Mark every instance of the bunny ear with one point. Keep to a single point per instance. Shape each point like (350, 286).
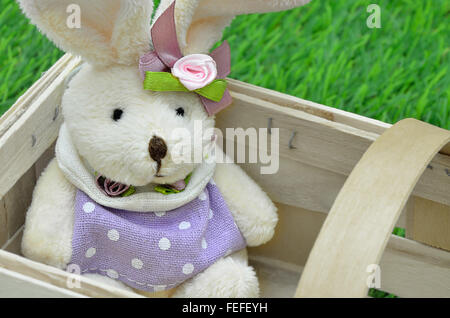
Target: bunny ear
(109, 31)
(200, 22)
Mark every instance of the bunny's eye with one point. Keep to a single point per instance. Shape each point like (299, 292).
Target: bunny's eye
(117, 114)
(180, 111)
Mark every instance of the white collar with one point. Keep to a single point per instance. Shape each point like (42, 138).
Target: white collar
(79, 175)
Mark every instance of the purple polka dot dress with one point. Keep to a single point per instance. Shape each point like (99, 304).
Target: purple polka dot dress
(154, 251)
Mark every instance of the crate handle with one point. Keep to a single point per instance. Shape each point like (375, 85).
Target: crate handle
(356, 231)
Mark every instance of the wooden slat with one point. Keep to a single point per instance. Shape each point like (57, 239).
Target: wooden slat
(276, 279)
(24, 101)
(434, 183)
(359, 224)
(431, 223)
(3, 223)
(14, 244)
(315, 190)
(57, 277)
(33, 132)
(295, 234)
(309, 187)
(15, 285)
(408, 268)
(44, 160)
(321, 143)
(17, 201)
(411, 269)
(326, 112)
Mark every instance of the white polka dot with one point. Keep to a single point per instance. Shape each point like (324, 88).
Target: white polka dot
(184, 225)
(211, 214)
(188, 268)
(158, 288)
(90, 252)
(202, 196)
(112, 273)
(136, 263)
(88, 207)
(164, 243)
(160, 213)
(212, 182)
(113, 235)
(204, 244)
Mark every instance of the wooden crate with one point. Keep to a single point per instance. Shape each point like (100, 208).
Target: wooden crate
(335, 173)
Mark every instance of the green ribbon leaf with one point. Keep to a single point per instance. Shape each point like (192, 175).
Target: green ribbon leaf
(131, 190)
(166, 82)
(167, 189)
(213, 91)
(163, 82)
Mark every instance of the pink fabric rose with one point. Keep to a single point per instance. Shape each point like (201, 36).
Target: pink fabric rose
(195, 70)
(109, 187)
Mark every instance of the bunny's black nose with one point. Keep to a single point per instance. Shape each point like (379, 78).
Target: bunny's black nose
(157, 148)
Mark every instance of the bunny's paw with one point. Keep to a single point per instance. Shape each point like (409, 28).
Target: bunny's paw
(227, 278)
(253, 211)
(47, 236)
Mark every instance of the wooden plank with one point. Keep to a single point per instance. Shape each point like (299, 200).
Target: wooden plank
(402, 220)
(14, 244)
(17, 201)
(276, 279)
(315, 190)
(319, 142)
(24, 101)
(411, 269)
(3, 223)
(32, 133)
(365, 211)
(44, 160)
(435, 182)
(15, 285)
(58, 277)
(326, 112)
(408, 268)
(431, 223)
(296, 232)
(324, 144)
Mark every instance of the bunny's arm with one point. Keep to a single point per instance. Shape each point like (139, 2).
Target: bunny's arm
(48, 229)
(253, 211)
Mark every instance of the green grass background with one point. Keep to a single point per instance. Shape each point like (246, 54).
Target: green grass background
(322, 52)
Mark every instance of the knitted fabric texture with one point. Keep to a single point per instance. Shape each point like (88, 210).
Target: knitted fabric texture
(154, 251)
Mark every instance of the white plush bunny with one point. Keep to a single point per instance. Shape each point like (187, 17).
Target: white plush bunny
(116, 129)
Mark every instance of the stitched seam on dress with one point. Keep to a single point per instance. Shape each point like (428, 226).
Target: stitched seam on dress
(131, 280)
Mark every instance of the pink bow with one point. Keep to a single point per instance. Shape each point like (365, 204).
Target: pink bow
(167, 52)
